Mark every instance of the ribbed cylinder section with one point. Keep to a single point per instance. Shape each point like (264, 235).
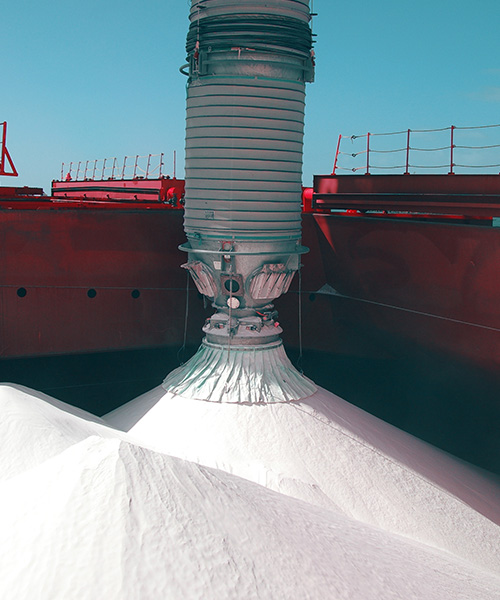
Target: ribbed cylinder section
(244, 158)
(249, 61)
(297, 9)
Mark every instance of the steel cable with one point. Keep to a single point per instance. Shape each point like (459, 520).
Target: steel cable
(477, 147)
(478, 127)
(429, 149)
(476, 166)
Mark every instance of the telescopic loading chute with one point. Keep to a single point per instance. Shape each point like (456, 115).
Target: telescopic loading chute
(248, 62)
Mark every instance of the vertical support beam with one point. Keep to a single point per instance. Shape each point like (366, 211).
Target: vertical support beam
(452, 146)
(367, 153)
(407, 172)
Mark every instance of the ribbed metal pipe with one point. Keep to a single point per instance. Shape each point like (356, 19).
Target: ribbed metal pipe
(249, 61)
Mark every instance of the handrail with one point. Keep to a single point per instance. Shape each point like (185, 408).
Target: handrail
(409, 149)
(148, 166)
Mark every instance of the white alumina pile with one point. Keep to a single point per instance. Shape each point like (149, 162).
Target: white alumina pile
(359, 510)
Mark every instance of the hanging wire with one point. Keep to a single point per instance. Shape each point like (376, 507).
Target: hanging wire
(476, 166)
(477, 147)
(433, 130)
(429, 166)
(385, 167)
(182, 349)
(391, 133)
(299, 359)
(388, 151)
(229, 325)
(353, 154)
(478, 127)
(230, 328)
(431, 149)
(353, 169)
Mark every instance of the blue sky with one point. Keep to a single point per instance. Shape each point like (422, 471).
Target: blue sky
(95, 79)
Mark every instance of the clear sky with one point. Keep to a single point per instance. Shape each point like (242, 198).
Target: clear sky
(100, 78)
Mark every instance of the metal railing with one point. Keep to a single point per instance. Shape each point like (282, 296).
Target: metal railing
(439, 146)
(148, 166)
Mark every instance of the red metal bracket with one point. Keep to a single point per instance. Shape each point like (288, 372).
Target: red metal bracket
(5, 157)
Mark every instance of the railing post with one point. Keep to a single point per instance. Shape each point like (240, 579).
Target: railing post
(135, 165)
(103, 168)
(147, 166)
(452, 128)
(367, 153)
(336, 155)
(124, 166)
(407, 172)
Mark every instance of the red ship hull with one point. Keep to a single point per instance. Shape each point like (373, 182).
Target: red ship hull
(434, 283)
(85, 279)
(395, 312)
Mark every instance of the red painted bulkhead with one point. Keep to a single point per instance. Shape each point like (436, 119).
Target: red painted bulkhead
(431, 283)
(83, 280)
(85, 276)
